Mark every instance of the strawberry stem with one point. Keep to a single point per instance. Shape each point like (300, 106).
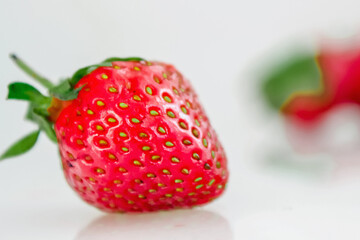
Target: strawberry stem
(23, 66)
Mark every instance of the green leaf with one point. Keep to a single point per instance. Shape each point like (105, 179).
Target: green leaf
(41, 106)
(40, 117)
(45, 125)
(298, 74)
(65, 91)
(41, 111)
(22, 91)
(64, 86)
(29, 113)
(21, 146)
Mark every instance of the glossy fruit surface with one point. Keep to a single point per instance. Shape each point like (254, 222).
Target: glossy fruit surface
(137, 139)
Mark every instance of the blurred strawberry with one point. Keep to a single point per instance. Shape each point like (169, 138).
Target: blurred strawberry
(308, 86)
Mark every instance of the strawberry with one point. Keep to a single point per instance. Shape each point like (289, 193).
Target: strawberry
(131, 133)
(307, 87)
(340, 71)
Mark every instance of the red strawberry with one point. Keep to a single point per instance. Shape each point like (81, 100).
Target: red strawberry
(307, 87)
(340, 72)
(132, 136)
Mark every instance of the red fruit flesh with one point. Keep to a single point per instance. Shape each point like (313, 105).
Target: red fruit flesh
(137, 139)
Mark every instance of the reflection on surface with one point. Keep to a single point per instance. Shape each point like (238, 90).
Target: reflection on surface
(179, 224)
(326, 222)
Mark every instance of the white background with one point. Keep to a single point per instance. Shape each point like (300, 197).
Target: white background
(218, 45)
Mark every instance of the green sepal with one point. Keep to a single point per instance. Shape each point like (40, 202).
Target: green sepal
(45, 125)
(298, 74)
(29, 113)
(21, 146)
(22, 91)
(106, 63)
(38, 104)
(40, 117)
(129, 59)
(64, 91)
(79, 74)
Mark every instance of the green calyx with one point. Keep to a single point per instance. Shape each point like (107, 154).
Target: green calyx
(39, 104)
(66, 89)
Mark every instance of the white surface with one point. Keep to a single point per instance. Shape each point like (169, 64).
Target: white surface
(215, 44)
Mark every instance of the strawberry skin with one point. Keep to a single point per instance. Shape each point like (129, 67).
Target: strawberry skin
(137, 139)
